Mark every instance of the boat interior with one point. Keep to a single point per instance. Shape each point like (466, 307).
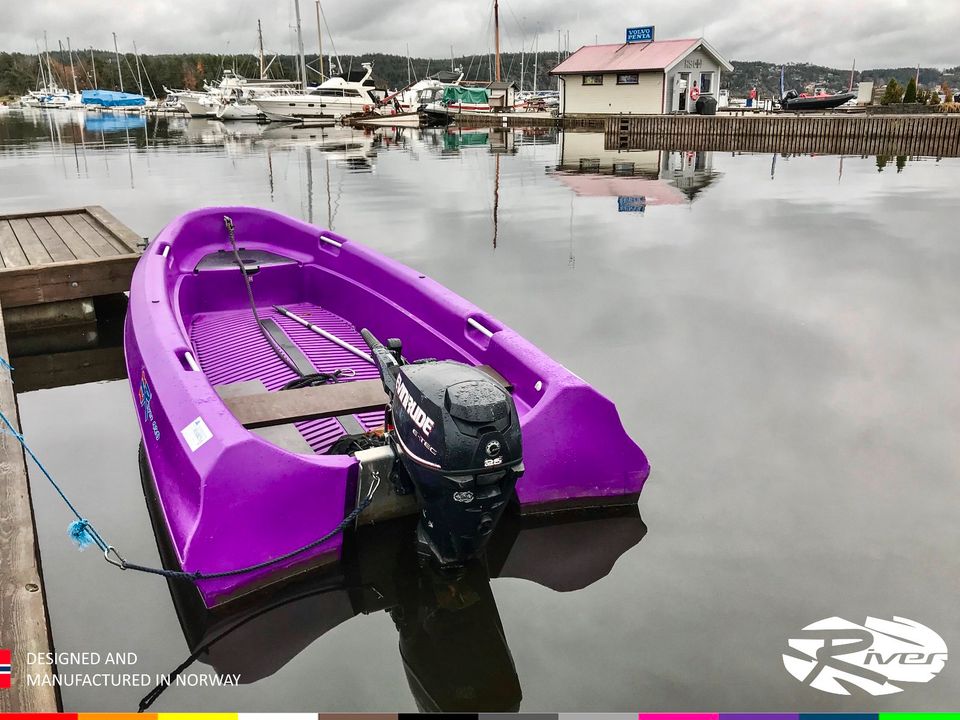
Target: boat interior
(230, 345)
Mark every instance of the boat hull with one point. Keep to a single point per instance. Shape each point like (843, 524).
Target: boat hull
(235, 112)
(198, 109)
(293, 108)
(401, 120)
(231, 498)
(818, 102)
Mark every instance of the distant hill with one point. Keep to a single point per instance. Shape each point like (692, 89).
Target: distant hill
(20, 72)
(766, 76)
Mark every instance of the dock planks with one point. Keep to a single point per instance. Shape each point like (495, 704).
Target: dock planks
(934, 134)
(64, 255)
(45, 257)
(24, 623)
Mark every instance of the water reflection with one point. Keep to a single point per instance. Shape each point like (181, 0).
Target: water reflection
(89, 349)
(637, 178)
(452, 644)
(113, 123)
(773, 322)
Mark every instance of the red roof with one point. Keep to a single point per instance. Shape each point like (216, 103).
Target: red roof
(621, 57)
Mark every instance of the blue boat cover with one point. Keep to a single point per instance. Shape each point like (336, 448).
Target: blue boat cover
(111, 98)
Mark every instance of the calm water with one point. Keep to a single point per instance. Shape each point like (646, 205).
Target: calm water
(780, 335)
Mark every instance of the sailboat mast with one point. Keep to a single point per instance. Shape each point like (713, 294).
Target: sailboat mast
(303, 62)
(496, 38)
(320, 44)
(558, 56)
(521, 66)
(260, 38)
(93, 64)
(853, 69)
(43, 78)
(116, 52)
(46, 49)
(73, 73)
(136, 56)
(536, 52)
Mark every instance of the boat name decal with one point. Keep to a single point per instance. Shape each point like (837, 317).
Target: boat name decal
(145, 396)
(416, 413)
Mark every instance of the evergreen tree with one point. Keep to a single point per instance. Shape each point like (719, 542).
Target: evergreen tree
(892, 94)
(910, 96)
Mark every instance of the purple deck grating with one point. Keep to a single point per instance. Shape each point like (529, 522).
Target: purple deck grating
(230, 349)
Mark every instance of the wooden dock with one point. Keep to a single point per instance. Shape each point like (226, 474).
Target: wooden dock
(64, 255)
(935, 135)
(24, 623)
(47, 261)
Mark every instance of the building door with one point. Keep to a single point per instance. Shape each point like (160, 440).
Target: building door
(682, 87)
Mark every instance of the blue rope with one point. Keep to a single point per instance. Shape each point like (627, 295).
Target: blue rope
(82, 532)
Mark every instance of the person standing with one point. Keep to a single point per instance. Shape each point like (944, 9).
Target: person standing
(751, 96)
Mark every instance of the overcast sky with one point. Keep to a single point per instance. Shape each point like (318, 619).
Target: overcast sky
(878, 33)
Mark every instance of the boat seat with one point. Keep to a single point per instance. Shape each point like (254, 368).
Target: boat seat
(286, 436)
(309, 403)
(322, 401)
(253, 260)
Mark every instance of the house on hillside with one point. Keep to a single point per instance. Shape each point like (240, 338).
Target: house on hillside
(662, 76)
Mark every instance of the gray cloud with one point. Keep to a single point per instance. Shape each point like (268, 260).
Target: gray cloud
(879, 33)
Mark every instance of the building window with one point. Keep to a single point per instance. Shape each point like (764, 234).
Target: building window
(628, 79)
(593, 79)
(706, 83)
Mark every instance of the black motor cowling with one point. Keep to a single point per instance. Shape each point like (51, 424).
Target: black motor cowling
(458, 437)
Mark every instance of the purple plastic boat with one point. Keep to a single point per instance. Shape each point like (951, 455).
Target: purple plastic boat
(247, 472)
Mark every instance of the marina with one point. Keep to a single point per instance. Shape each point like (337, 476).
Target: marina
(514, 378)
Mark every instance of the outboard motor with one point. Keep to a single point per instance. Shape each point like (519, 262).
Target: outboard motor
(457, 434)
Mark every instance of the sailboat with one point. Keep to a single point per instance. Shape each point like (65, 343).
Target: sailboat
(50, 95)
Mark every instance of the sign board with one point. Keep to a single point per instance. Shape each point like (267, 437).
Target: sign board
(631, 204)
(640, 34)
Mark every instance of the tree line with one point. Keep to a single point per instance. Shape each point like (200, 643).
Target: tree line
(20, 72)
(894, 93)
(765, 76)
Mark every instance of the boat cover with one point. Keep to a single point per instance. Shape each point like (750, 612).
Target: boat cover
(457, 94)
(111, 98)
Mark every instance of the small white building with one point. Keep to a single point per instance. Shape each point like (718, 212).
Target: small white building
(502, 95)
(662, 76)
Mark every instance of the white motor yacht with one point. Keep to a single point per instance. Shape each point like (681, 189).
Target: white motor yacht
(330, 100)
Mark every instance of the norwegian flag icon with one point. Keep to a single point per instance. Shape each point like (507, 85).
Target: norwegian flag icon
(4, 669)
